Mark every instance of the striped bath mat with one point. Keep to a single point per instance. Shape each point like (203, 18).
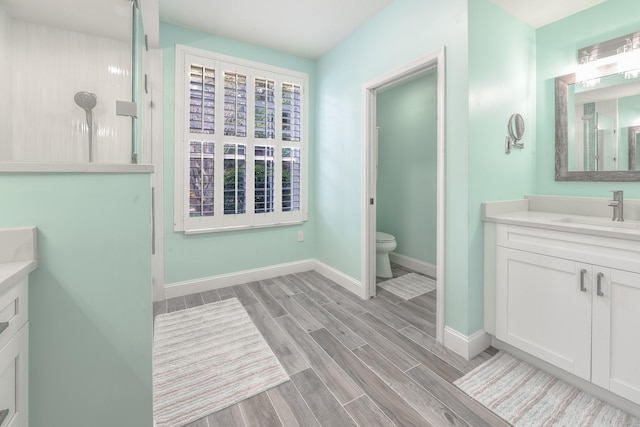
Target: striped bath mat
(526, 396)
(409, 285)
(207, 358)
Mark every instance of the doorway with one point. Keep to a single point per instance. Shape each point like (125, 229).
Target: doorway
(434, 61)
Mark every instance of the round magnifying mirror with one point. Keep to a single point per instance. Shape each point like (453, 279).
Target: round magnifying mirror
(516, 127)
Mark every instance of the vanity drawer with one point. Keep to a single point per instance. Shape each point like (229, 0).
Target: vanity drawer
(13, 311)
(600, 250)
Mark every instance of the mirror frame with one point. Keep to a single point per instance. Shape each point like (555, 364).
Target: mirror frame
(516, 127)
(632, 132)
(562, 141)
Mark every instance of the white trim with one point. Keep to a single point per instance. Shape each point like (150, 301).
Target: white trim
(242, 227)
(224, 64)
(188, 287)
(600, 393)
(441, 197)
(154, 60)
(369, 162)
(347, 282)
(466, 346)
(44, 167)
(369, 171)
(214, 282)
(414, 264)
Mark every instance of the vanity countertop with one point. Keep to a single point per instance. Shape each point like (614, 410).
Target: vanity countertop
(523, 213)
(17, 255)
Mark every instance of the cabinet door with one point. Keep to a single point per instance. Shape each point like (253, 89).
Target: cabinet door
(544, 308)
(616, 322)
(14, 364)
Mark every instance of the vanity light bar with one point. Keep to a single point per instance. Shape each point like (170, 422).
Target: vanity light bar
(609, 48)
(619, 55)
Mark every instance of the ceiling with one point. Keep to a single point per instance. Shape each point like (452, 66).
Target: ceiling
(538, 13)
(107, 18)
(307, 28)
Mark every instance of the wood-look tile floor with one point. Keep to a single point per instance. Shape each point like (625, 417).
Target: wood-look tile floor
(351, 362)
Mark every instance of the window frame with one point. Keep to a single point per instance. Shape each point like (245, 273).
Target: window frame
(183, 221)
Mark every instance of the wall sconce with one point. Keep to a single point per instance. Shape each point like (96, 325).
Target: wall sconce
(616, 56)
(515, 127)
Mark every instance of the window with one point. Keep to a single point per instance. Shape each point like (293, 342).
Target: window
(241, 143)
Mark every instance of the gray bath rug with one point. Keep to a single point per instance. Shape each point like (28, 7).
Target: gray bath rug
(207, 358)
(526, 396)
(409, 286)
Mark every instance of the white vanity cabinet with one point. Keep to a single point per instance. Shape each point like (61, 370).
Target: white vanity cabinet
(17, 260)
(14, 359)
(570, 299)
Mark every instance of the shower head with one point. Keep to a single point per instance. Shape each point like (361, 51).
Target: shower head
(86, 100)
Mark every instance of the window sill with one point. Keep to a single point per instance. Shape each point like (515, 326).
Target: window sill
(242, 227)
(42, 167)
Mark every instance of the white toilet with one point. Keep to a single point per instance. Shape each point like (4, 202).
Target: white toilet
(385, 243)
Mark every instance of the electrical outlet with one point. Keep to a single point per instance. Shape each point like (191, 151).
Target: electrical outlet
(300, 236)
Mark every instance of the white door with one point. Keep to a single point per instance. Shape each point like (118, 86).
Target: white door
(616, 332)
(544, 308)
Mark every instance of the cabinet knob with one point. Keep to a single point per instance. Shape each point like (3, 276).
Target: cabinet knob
(599, 285)
(582, 274)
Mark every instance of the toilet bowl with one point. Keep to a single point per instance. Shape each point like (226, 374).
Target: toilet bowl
(385, 243)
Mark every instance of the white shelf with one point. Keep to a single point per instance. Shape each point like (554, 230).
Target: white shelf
(35, 167)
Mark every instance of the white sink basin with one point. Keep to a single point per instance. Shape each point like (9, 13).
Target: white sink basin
(600, 222)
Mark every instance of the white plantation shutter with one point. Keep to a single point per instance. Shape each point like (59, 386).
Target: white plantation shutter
(241, 142)
(235, 178)
(291, 94)
(290, 179)
(200, 178)
(201, 99)
(265, 109)
(264, 174)
(235, 104)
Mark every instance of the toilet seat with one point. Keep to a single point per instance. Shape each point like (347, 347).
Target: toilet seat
(384, 237)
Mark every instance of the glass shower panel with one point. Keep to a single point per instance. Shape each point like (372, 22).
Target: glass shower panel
(138, 84)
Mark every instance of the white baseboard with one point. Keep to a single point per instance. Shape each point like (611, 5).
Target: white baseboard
(413, 264)
(600, 393)
(347, 282)
(188, 287)
(466, 346)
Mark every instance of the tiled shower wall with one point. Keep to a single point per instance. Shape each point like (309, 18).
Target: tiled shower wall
(48, 66)
(5, 85)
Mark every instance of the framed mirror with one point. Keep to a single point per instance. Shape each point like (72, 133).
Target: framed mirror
(597, 121)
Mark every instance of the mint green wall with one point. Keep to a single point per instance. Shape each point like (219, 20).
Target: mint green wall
(406, 183)
(90, 315)
(501, 83)
(403, 31)
(212, 254)
(557, 44)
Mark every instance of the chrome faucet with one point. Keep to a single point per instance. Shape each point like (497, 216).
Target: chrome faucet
(618, 205)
